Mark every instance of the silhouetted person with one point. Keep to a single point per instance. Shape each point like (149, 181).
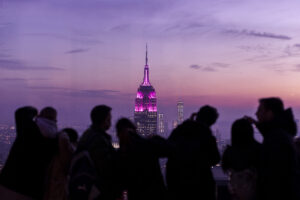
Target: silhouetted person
(57, 175)
(297, 146)
(98, 143)
(46, 122)
(277, 171)
(29, 158)
(241, 160)
(244, 151)
(189, 173)
(141, 172)
(73, 136)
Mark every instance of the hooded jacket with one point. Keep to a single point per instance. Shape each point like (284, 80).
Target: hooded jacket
(189, 167)
(141, 173)
(25, 169)
(278, 165)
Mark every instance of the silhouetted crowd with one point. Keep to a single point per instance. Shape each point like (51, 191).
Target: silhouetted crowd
(45, 163)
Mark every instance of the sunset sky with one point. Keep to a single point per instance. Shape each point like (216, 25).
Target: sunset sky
(74, 54)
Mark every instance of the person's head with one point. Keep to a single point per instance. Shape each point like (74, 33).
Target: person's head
(208, 115)
(49, 113)
(242, 132)
(24, 116)
(101, 117)
(26, 113)
(124, 125)
(72, 134)
(269, 108)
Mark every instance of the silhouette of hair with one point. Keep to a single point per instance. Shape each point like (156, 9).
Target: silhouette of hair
(242, 133)
(26, 113)
(24, 118)
(289, 123)
(274, 104)
(100, 113)
(72, 133)
(284, 117)
(124, 123)
(207, 114)
(48, 113)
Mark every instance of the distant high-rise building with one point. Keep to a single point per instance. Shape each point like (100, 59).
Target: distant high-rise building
(179, 112)
(166, 128)
(145, 111)
(161, 124)
(174, 124)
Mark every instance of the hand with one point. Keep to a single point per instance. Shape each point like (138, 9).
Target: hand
(250, 119)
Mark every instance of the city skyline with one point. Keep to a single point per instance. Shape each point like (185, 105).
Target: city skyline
(74, 55)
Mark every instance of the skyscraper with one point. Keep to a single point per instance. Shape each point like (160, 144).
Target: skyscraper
(180, 112)
(174, 124)
(161, 124)
(145, 111)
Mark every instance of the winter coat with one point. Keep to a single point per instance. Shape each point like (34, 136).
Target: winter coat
(241, 163)
(242, 157)
(98, 143)
(277, 170)
(188, 172)
(140, 168)
(57, 174)
(25, 169)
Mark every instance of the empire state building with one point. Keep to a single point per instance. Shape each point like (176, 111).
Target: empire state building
(145, 111)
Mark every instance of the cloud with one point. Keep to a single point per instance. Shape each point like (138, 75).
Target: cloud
(296, 68)
(258, 49)
(194, 25)
(77, 51)
(104, 93)
(173, 27)
(16, 65)
(187, 27)
(104, 8)
(3, 55)
(22, 79)
(220, 65)
(297, 45)
(283, 67)
(93, 93)
(47, 88)
(211, 67)
(12, 79)
(21, 1)
(290, 51)
(195, 66)
(121, 27)
(4, 24)
(271, 53)
(76, 39)
(258, 34)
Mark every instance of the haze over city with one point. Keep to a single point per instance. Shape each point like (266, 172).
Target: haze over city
(75, 54)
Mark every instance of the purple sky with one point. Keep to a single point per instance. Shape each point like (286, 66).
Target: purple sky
(74, 54)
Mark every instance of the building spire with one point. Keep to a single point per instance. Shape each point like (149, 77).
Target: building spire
(146, 54)
(146, 81)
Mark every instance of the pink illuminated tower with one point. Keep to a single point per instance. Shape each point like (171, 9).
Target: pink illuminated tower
(145, 111)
